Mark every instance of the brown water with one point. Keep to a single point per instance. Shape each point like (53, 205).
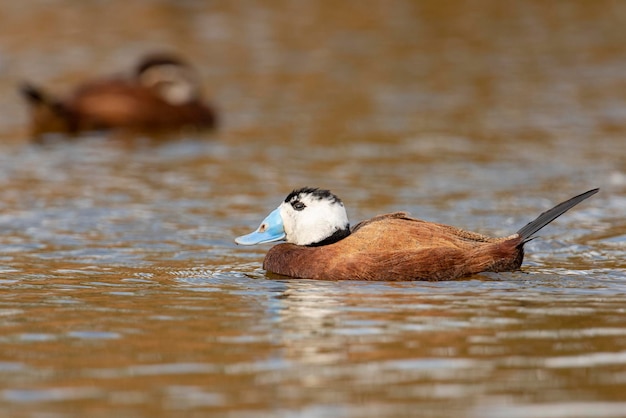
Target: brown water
(121, 290)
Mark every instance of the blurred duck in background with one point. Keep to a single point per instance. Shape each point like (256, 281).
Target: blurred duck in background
(162, 95)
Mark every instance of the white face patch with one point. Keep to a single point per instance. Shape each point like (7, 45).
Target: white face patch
(174, 83)
(309, 219)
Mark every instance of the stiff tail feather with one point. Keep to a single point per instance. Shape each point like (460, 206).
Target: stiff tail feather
(38, 99)
(548, 216)
(33, 94)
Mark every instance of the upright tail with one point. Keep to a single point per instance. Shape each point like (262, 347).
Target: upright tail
(38, 98)
(47, 113)
(33, 94)
(548, 216)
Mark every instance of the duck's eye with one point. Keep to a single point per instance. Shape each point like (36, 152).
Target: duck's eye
(298, 205)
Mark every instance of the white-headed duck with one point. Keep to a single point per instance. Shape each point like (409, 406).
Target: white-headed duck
(162, 94)
(321, 244)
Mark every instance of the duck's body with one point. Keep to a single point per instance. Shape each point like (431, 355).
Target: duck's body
(161, 96)
(395, 247)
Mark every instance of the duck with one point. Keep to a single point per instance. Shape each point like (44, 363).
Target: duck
(321, 245)
(161, 94)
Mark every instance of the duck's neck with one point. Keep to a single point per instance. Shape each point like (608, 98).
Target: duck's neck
(338, 235)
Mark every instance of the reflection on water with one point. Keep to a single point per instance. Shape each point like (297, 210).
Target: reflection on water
(176, 339)
(122, 292)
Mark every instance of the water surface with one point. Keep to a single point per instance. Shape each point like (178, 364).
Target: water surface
(121, 289)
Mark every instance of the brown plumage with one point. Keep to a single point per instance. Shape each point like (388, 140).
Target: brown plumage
(161, 95)
(396, 247)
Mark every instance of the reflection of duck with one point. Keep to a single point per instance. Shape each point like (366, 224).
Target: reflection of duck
(321, 245)
(162, 95)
